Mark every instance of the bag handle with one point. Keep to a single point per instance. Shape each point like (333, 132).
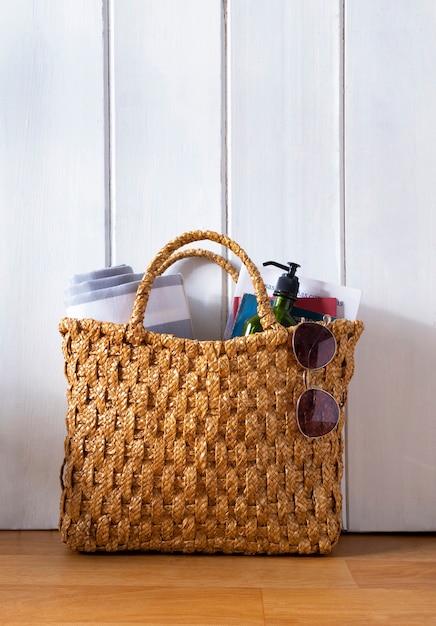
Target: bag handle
(207, 254)
(264, 310)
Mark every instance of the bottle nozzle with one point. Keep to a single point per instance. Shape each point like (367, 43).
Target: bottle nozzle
(290, 268)
(288, 282)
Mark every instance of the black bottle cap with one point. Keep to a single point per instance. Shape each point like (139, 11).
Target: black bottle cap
(288, 282)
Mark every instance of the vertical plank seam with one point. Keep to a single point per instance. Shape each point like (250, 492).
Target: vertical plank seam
(225, 93)
(225, 152)
(342, 164)
(108, 133)
(342, 174)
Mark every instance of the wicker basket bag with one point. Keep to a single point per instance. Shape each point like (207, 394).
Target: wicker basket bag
(180, 445)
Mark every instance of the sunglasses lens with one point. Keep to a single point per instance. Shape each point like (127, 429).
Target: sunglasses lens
(317, 413)
(314, 345)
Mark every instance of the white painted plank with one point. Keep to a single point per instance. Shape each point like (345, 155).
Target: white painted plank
(167, 150)
(391, 254)
(285, 133)
(51, 226)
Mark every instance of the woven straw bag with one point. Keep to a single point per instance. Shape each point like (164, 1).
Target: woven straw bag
(180, 445)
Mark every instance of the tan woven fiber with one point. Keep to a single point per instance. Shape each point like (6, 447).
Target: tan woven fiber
(178, 445)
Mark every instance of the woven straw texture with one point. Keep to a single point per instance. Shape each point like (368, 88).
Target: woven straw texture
(178, 445)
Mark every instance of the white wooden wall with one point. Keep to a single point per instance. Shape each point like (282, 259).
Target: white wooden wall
(52, 217)
(390, 191)
(303, 128)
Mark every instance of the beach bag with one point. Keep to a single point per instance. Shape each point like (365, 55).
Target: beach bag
(182, 445)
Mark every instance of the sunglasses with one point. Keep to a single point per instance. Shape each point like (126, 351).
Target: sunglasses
(314, 347)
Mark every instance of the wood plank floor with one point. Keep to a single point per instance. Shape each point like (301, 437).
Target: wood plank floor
(368, 579)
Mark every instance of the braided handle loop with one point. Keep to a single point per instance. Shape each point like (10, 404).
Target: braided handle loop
(266, 315)
(206, 254)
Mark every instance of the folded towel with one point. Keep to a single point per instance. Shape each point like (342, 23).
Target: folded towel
(108, 297)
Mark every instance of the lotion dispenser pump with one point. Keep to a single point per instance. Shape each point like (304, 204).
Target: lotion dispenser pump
(285, 294)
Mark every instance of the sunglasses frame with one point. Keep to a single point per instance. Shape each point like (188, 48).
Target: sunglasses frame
(306, 381)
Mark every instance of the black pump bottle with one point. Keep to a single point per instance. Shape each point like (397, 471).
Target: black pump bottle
(285, 294)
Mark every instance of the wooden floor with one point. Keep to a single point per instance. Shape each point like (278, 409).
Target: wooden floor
(368, 579)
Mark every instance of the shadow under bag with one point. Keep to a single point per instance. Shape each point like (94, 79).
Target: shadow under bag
(180, 445)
